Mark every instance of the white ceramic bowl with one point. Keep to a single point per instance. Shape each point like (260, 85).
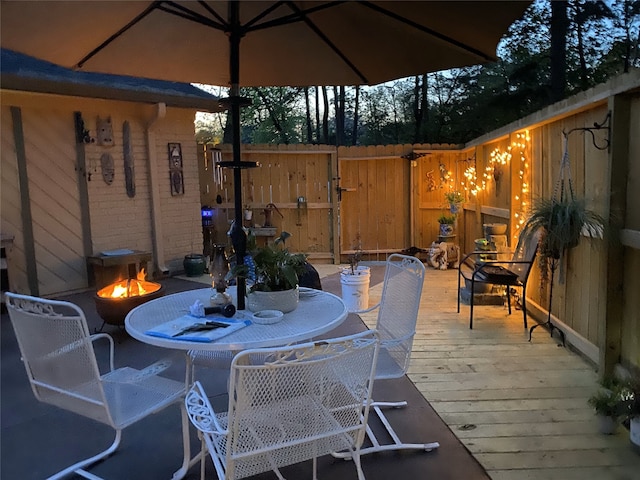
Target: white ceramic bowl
(266, 317)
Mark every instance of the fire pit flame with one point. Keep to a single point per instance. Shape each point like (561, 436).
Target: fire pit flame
(114, 301)
(130, 287)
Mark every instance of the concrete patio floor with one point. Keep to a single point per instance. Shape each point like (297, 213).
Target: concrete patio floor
(520, 407)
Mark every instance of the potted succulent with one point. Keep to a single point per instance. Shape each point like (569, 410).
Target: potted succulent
(273, 275)
(446, 224)
(608, 405)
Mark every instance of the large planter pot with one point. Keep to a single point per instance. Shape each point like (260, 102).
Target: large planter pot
(194, 264)
(634, 433)
(355, 288)
(285, 301)
(478, 287)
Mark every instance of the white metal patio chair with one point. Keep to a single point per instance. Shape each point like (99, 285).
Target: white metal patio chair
(288, 405)
(58, 354)
(396, 326)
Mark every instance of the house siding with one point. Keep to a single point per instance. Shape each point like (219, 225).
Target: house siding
(116, 220)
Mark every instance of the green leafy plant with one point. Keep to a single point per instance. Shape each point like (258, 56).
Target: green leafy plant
(447, 219)
(609, 399)
(562, 223)
(454, 198)
(276, 269)
(631, 397)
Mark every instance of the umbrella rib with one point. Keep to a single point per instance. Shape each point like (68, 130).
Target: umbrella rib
(264, 13)
(326, 40)
(428, 30)
(188, 14)
(287, 19)
(139, 17)
(206, 6)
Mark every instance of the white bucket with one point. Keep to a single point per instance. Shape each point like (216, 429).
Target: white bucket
(355, 288)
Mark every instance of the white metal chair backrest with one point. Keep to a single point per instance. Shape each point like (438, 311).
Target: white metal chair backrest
(290, 404)
(58, 355)
(398, 314)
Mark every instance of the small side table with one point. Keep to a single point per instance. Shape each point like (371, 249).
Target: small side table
(106, 269)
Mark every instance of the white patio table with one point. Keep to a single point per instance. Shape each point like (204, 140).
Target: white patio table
(318, 312)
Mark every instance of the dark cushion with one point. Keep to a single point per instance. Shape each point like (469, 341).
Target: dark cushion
(310, 278)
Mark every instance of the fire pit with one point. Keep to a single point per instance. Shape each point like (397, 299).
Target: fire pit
(114, 301)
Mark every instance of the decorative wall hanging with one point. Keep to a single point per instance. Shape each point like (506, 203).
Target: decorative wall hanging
(107, 167)
(104, 132)
(216, 157)
(175, 169)
(431, 181)
(82, 134)
(129, 170)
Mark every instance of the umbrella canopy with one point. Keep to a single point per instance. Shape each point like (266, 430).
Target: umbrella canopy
(258, 43)
(282, 43)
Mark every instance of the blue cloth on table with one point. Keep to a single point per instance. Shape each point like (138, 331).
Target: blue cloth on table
(170, 328)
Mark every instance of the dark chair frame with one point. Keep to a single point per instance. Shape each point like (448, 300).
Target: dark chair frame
(509, 273)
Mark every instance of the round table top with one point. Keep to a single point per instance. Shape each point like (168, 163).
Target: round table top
(318, 312)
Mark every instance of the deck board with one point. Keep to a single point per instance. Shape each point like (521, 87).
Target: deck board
(519, 406)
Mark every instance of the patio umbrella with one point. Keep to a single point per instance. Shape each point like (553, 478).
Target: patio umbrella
(258, 43)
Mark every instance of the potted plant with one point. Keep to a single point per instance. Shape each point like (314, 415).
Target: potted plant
(608, 405)
(559, 222)
(354, 280)
(562, 223)
(274, 271)
(454, 199)
(632, 409)
(446, 224)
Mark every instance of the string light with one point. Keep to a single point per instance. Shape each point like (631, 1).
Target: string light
(520, 206)
(520, 150)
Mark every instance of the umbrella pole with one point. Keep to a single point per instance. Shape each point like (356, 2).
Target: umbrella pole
(238, 235)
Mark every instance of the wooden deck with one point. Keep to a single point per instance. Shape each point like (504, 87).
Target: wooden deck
(520, 407)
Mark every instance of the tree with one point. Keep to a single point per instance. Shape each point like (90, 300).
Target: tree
(554, 50)
(559, 25)
(308, 115)
(325, 116)
(356, 118)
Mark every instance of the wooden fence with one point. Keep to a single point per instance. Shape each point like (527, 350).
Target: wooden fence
(385, 199)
